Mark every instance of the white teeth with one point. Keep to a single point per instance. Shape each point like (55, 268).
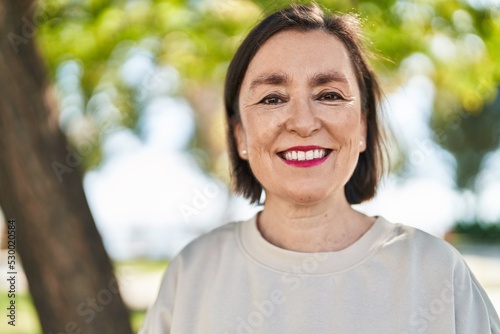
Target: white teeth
(305, 155)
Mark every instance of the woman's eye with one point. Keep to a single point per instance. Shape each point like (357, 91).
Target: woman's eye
(330, 96)
(271, 99)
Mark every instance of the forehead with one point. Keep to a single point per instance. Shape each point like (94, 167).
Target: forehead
(300, 54)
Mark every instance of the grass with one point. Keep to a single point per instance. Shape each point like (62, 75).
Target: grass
(27, 319)
(26, 315)
(136, 319)
(142, 265)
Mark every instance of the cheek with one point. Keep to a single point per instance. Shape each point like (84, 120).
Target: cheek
(261, 131)
(344, 126)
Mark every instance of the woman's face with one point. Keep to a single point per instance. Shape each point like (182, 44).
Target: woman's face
(301, 123)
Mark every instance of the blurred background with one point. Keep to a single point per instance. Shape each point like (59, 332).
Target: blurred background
(125, 97)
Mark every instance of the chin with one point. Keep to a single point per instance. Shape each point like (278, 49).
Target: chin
(309, 196)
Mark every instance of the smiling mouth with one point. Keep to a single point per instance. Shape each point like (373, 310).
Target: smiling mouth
(294, 155)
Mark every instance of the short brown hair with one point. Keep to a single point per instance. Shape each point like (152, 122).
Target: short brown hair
(363, 183)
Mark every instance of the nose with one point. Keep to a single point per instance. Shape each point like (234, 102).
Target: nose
(302, 119)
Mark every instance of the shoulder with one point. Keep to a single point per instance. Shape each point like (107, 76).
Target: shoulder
(188, 275)
(216, 238)
(425, 259)
(416, 239)
(417, 245)
(430, 262)
(210, 246)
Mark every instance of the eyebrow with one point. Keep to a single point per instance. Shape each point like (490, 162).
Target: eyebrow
(280, 79)
(269, 79)
(324, 78)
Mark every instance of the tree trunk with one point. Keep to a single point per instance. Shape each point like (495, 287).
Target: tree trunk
(70, 275)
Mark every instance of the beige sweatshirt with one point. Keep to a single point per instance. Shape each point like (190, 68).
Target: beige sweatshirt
(393, 280)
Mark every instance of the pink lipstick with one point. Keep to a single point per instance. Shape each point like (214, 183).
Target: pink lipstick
(305, 156)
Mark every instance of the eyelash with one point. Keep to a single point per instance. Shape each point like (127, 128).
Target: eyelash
(266, 99)
(334, 96)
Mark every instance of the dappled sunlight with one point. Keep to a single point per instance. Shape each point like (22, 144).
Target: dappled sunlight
(137, 115)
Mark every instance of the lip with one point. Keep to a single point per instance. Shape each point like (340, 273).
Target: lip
(306, 163)
(305, 148)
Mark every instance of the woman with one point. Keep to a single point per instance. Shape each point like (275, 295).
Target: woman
(302, 106)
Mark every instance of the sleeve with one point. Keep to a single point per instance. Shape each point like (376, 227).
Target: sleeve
(474, 312)
(159, 316)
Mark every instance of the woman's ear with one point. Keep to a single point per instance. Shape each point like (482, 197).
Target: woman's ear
(362, 134)
(241, 142)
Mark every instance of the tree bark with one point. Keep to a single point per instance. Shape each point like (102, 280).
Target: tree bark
(70, 275)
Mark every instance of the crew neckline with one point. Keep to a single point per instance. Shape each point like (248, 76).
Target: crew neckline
(275, 258)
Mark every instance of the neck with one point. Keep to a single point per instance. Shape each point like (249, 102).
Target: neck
(319, 227)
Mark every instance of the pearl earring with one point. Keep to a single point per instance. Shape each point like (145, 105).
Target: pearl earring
(360, 143)
(244, 152)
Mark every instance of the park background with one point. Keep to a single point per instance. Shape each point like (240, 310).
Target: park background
(112, 140)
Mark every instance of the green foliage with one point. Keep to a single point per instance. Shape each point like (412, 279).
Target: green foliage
(458, 44)
(193, 39)
(479, 232)
(470, 137)
(196, 39)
